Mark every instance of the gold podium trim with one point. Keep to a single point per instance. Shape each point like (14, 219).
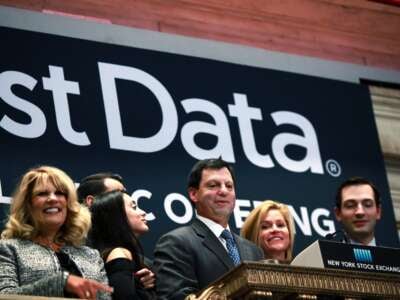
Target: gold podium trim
(252, 280)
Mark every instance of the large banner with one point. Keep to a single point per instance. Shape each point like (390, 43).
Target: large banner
(87, 106)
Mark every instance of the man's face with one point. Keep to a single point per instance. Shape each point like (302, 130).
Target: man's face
(358, 212)
(215, 197)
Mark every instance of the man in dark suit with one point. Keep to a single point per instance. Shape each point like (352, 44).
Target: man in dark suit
(358, 208)
(187, 259)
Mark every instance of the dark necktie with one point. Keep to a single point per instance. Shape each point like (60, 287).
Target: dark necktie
(231, 246)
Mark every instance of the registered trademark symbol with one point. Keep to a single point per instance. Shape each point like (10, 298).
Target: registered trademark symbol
(333, 168)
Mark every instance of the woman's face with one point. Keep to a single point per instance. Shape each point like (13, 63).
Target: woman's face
(274, 235)
(136, 216)
(49, 208)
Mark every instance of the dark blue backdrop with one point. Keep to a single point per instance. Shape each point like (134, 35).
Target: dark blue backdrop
(339, 113)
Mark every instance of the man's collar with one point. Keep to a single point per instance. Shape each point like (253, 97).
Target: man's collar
(213, 226)
(371, 243)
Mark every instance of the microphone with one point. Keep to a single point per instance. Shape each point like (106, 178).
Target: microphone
(331, 236)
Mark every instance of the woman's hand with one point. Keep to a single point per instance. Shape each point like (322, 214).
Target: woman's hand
(146, 277)
(85, 288)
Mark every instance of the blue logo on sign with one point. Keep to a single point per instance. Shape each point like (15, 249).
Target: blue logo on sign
(362, 255)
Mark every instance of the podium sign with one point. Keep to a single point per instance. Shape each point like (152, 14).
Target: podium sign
(330, 254)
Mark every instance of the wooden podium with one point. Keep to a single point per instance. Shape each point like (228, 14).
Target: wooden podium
(251, 280)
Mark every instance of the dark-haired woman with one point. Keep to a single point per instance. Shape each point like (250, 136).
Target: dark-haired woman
(117, 222)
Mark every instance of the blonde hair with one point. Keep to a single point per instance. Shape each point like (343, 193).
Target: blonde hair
(22, 225)
(251, 227)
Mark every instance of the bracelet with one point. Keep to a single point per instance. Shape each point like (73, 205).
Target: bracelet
(65, 275)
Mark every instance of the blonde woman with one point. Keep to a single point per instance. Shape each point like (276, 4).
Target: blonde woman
(270, 225)
(40, 249)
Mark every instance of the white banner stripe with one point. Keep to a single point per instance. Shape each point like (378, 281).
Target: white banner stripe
(5, 200)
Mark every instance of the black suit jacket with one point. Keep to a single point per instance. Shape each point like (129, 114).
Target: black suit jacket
(189, 258)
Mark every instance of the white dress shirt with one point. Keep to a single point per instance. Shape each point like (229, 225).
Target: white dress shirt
(215, 228)
(371, 243)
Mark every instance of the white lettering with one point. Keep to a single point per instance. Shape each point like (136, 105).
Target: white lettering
(393, 269)
(186, 217)
(303, 222)
(309, 141)
(169, 117)
(223, 147)
(4, 199)
(257, 203)
(240, 215)
(328, 223)
(332, 262)
(304, 226)
(364, 266)
(348, 264)
(245, 114)
(220, 128)
(138, 194)
(37, 126)
(60, 89)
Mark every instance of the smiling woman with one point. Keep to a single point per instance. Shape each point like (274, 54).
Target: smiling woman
(270, 225)
(40, 252)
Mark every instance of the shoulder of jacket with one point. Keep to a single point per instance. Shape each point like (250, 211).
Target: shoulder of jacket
(245, 241)
(16, 242)
(179, 231)
(177, 235)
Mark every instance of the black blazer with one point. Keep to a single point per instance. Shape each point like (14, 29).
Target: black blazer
(189, 258)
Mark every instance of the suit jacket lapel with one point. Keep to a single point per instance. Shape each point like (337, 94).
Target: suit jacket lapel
(212, 243)
(243, 251)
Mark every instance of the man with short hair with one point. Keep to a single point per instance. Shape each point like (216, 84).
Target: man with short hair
(187, 259)
(358, 208)
(97, 184)
(100, 183)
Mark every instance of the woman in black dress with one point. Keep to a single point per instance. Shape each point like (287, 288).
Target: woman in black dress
(117, 222)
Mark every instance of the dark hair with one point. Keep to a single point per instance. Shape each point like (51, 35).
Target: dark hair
(94, 185)
(356, 181)
(110, 227)
(195, 174)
